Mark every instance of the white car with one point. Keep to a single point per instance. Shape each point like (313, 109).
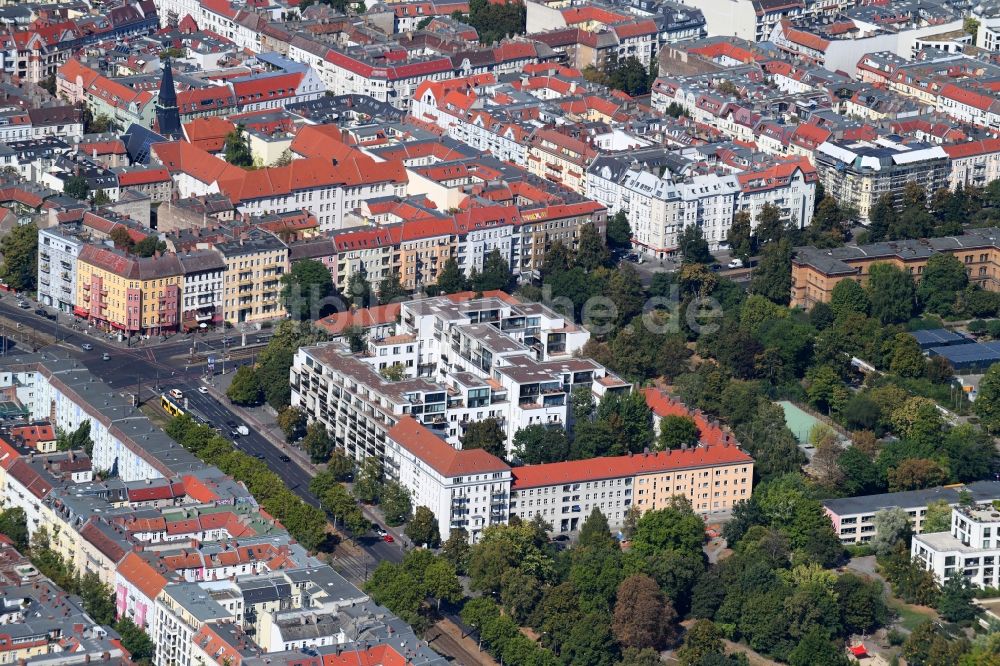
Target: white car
(202, 389)
(735, 263)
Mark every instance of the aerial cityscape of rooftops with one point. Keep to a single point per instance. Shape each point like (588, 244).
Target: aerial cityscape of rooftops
(526, 332)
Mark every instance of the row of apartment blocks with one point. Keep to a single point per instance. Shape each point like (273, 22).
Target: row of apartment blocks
(189, 554)
(466, 358)
(815, 272)
(472, 489)
(661, 190)
(232, 272)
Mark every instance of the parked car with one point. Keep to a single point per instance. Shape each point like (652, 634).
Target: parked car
(41, 313)
(24, 305)
(735, 263)
(387, 538)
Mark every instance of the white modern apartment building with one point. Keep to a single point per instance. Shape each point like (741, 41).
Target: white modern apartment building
(57, 253)
(464, 359)
(464, 489)
(971, 548)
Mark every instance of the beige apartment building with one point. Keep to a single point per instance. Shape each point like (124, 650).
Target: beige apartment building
(251, 287)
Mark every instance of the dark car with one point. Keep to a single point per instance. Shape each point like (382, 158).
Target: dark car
(258, 456)
(234, 434)
(40, 312)
(284, 458)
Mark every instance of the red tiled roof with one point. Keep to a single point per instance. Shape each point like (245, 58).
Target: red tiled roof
(142, 575)
(576, 471)
(968, 97)
(440, 455)
(143, 177)
(34, 433)
(970, 148)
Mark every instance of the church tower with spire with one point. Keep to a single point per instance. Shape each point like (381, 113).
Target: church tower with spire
(168, 118)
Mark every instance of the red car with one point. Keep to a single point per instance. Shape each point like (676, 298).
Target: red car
(387, 538)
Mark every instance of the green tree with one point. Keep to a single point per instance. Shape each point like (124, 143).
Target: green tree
(441, 581)
(591, 252)
(907, 358)
(487, 435)
(14, 525)
(862, 603)
(305, 288)
(694, 247)
(955, 602)
(149, 246)
(891, 293)
(97, 598)
(770, 227)
(76, 187)
(849, 297)
(892, 527)
(292, 422)
(340, 466)
(625, 290)
(642, 617)
(456, 549)
(674, 527)
(368, 485)
(678, 431)
(987, 404)
(20, 257)
(882, 217)
(390, 289)
(359, 290)
(496, 273)
(938, 518)
(629, 419)
(395, 503)
(539, 443)
(140, 646)
(237, 148)
(773, 277)
(318, 443)
(558, 259)
(450, 279)
(740, 237)
(943, 279)
(825, 389)
(423, 528)
(245, 388)
(702, 640)
(619, 230)
(816, 649)
(859, 472)
(927, 646)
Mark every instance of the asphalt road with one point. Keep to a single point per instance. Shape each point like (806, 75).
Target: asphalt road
(157, 368)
